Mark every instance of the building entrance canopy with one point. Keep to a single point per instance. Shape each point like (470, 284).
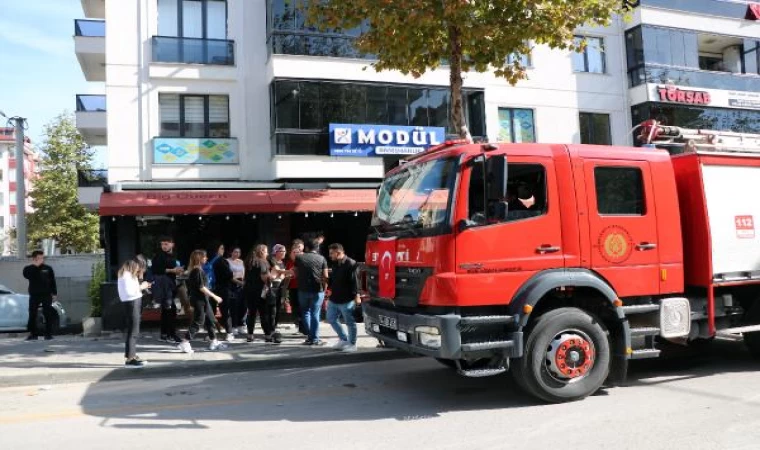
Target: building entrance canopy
(145, 203)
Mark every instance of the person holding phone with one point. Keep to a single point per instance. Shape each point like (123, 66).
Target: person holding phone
(131, 293)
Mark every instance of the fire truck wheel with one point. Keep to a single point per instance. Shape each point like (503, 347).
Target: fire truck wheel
(567, 356)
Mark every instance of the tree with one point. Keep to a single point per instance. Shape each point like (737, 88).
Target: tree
(57, 212)
(414, 36)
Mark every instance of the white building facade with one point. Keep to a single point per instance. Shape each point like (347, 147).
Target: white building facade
(9, 183)
(233, 100)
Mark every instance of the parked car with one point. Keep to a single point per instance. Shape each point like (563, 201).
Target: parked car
(14, 312)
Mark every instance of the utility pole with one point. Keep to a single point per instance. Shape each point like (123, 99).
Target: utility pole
(20, 189)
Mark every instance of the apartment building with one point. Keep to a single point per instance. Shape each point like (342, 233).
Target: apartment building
(9, 182)
(229, 119)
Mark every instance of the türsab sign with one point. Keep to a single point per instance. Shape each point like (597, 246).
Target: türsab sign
(686, 96)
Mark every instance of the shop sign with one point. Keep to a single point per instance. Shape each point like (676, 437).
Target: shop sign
(677, 95)
(195, 151)
(381, 140)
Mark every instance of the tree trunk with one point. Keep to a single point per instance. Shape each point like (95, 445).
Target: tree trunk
(455, 84)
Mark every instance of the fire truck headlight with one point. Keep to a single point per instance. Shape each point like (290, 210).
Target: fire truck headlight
(428, 336)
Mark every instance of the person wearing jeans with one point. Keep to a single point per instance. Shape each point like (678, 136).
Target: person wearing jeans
(130, 293)
(311, 271)
(344, 296)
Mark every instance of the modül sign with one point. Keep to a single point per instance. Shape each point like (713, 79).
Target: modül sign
(381, 140)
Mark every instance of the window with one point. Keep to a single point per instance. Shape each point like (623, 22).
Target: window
(619, 191)
(188, 115)
(303, 110)
(524, 59)
(200, 19)
(2, 222)
(522, 196)
(516, 125)
(595, 129)
(591, 59)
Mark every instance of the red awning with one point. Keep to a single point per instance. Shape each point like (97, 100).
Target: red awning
(753, 11)
(147, 203)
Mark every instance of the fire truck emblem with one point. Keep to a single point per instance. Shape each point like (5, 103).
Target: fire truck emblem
(615, 244)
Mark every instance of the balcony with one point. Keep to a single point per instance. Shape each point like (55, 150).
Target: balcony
(90, 184)
(654, 73)
(91, 119)
(90, 48)
(167, 49)
(94, 9)
(201, 151)
(719, 8)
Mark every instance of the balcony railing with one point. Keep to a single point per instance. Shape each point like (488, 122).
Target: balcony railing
(168, 49)
(91, 103)
(721, 8)
(89, 28)
(694, 78)
(204, 150)
(291, 42)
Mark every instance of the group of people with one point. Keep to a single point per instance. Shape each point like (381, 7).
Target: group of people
(261, 286)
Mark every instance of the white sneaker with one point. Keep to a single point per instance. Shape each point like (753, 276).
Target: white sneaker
(185, 347)
(349, 348)
(230, 337)
(340, 345)
(216, 345)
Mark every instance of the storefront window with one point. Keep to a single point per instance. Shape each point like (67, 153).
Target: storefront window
(304, 108)
(724, 119)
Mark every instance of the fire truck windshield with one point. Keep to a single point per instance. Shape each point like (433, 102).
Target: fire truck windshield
(417, 197)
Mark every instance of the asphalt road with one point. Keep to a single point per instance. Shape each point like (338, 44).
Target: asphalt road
(705, 402)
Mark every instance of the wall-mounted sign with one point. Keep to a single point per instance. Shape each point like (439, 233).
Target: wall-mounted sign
(678, 95)
(195, 151)
(380, 140)
(703, 97)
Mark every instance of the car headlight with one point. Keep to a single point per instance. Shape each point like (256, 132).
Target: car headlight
(428, 336)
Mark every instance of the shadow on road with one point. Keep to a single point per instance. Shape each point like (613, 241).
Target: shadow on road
(403, 390)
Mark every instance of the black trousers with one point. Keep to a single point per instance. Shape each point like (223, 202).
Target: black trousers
(203, 317)
(226, 307)
(47, 309)
(237, 305)
(266, 308)
(164, 290)
(132, 315)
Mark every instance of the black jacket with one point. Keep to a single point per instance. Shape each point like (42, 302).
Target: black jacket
(41, 280)
(343, 281)
(222, 274)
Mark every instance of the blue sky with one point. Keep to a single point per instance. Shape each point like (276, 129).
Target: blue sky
(41, 76)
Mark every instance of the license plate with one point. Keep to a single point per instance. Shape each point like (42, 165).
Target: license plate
(388, 322)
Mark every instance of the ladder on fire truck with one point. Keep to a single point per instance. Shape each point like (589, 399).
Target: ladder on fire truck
(689, 140)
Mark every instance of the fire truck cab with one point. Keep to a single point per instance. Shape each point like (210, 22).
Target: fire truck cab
(564, 262)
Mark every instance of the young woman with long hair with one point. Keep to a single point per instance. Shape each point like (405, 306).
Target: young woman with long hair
(199, 293)
(259, 294)
(130, 293)
(237, 303)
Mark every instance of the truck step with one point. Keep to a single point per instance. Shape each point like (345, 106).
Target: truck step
(645, 353)
(645, 331)
(640, 309)
(486, 320)
(738, 330)
(480, 373)
(476, 346)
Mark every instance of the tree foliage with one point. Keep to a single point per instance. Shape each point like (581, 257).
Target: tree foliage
(57, 212)
(415, 36)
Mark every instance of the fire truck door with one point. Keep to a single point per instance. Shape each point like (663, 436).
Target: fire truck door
(622, 225)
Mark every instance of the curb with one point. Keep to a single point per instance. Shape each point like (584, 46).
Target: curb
(198, 368)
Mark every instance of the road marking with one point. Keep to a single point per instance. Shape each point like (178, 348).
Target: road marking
(148, 408)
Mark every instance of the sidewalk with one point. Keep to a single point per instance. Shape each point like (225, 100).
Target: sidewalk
(70, 358)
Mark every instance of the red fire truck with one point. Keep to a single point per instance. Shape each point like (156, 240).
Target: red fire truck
(567, 261)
